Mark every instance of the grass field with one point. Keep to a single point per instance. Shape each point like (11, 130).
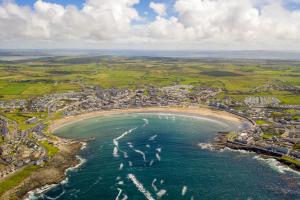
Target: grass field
(51, 150)
(16, 179)
(237, 77)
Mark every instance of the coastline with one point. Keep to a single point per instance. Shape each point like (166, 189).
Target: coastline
(220, 143)
(192, 111)
(50, 175)
(67, 158)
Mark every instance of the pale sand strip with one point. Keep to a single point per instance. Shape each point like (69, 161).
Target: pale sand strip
(200, 111)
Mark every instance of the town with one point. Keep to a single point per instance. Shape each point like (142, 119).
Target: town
(25, 139)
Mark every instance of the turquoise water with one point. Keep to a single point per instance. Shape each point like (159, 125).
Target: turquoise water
(157, 156)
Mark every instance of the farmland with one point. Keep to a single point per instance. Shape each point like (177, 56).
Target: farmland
(238, 78)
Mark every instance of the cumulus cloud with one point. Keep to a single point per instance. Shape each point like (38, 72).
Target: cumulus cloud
(159, 8)
(203, 24)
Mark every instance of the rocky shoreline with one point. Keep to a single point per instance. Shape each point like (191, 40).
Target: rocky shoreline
(52, 173)
(220, 142)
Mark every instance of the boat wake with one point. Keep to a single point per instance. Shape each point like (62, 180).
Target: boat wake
(116, 141)
(142, 153)
(140, 187)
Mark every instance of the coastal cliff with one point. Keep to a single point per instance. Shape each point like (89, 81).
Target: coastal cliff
(52, 173)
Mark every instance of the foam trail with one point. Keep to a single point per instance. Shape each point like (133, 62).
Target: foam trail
(158, 149)
(153, 137)
(142, 153)
(183, 191)
(130, 144)
(140, 187)
(157, 156)
(121, 166)
(192, 197)
(153, 185)
(125, 154)
(115, 153)
(151, 162)
(119, 194)
(125, 133)
(146, 122)
(120, 183)
(116, 141)
(130, 163)
(161, 193)
(125, 197)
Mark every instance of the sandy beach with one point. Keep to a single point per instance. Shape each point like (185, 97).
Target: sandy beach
(199, 111)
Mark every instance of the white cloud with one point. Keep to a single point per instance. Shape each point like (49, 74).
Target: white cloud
(159, 8)
(202, 24)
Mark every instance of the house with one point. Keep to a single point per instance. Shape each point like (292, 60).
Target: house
(31, 120)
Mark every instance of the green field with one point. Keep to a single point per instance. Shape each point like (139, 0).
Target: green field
(16, 179)
(238, 78)
(51, 150)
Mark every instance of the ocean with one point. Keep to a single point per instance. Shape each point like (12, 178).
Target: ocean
(157, 156)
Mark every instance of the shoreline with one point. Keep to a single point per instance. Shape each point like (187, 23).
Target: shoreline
(54, 174)
(50, 175)
(191, 111)
(220, 142)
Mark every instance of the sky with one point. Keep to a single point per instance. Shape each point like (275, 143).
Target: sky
(151, 24)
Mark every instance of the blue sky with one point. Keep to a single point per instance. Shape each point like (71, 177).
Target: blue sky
(142, 7)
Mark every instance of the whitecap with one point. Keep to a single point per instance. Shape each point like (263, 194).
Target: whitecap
(125, 154)
(119, 194)
(148, 146)
(153, 185)
(158, 156)
(183, 191)
(115, 152)
(142, 153)
(158, 149)
(151, 163)
(146, 122)
(121, 166)
(140, 187)
(130, 164)
(161, 193)
(152, 137)
(120, 183)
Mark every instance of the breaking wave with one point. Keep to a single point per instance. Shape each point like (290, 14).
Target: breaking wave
(207, 146)
(276, 165)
